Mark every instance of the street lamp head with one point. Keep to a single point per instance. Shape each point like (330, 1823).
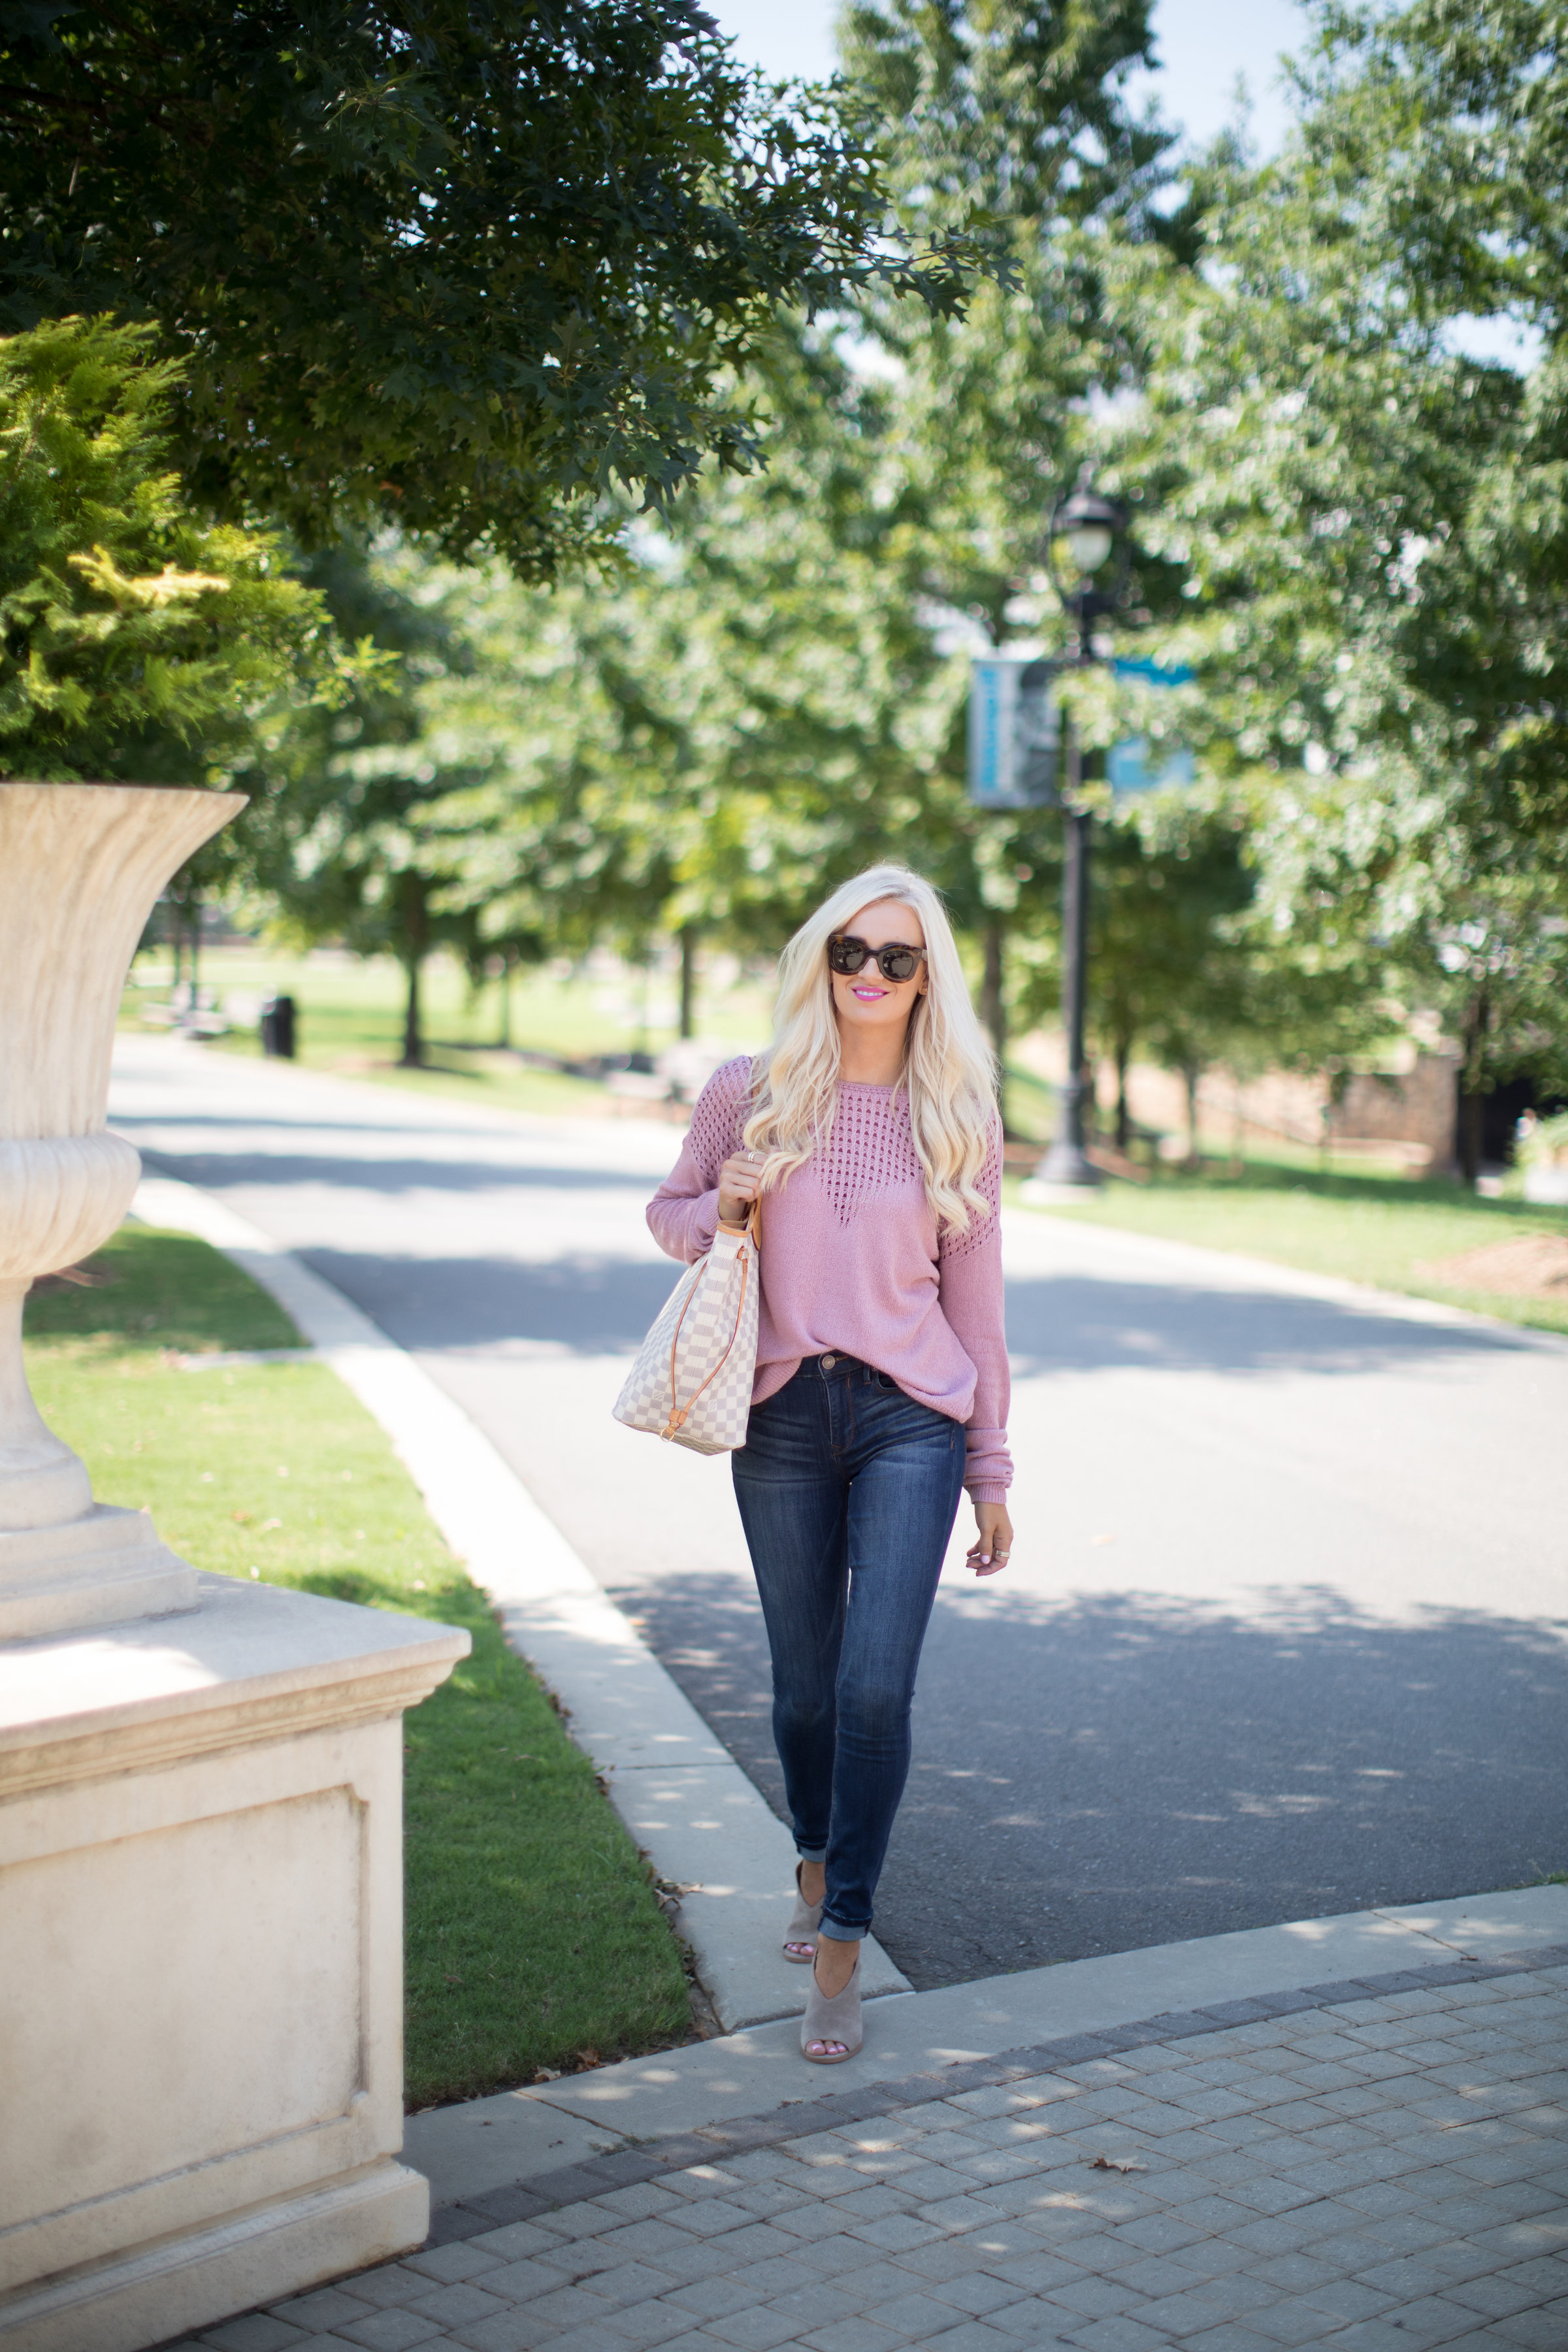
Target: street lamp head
(1088, 524)
(1088, 544)
(1085, 531)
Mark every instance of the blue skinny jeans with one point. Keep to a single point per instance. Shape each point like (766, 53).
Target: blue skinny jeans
(848, 1490)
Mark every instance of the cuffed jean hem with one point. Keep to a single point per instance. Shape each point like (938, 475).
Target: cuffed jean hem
(811, 1853)
(842, 1935)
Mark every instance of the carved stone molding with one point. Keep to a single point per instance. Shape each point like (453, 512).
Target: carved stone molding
(80, 868)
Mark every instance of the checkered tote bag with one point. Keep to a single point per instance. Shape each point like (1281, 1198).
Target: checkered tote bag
(692, 1379)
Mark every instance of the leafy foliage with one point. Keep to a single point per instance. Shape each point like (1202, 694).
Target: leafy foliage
(773, 695)
(136, 645)
(1372, 526)
(343, 793)
(1019, 108)
(754, 710)
(461, 264)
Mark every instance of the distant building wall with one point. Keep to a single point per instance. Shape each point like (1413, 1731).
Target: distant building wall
(1419, 1107)
(1411, 1110)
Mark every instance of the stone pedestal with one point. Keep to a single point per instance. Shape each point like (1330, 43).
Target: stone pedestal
(201, 2070)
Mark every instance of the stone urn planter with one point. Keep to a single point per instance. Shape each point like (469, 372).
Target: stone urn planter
(201, 1856)
(80, 868)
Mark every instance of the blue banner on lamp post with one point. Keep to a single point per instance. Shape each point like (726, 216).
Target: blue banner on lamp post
(1013, 732)
(1127, 767)
(1152, 672)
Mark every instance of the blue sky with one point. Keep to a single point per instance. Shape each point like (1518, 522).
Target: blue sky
(1203, 46)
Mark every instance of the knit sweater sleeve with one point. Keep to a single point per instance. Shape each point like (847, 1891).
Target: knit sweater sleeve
(969, 1278)
(683, 1214)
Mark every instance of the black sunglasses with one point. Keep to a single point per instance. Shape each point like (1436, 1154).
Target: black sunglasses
(894, 962)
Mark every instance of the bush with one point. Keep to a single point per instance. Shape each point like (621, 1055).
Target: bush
(1544, 1142)
(137, 643)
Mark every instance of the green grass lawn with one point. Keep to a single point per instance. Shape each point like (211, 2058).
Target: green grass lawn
(351, 1020)
(1383, 1230)
(534, 1935)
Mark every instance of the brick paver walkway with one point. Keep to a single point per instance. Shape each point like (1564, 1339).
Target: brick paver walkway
(1377, 2173)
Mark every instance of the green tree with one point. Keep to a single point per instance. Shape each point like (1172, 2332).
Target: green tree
(1021, 107)
(773, 695)
(463, 265)
(137, 643)
(1170, 879)
(753, 708)
(344, 847)
(565, 723)
(1018, 107)
(1371, 525)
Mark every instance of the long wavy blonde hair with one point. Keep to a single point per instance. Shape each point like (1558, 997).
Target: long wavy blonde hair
(949, 1070)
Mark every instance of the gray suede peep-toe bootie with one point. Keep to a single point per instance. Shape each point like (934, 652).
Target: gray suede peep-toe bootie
(800, 1936)
(835, 2019)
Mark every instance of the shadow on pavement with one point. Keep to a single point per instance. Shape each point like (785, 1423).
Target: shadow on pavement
(1080, 1323)
(220, 1171)
(592, 1306)
(1145, 1771)
(1062, 1323)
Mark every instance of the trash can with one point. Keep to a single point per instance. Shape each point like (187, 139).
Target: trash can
(278, 1016)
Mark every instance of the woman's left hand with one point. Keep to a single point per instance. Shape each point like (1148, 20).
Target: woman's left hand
(990, 1549)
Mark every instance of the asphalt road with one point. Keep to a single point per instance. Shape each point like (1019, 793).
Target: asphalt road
(1286, 1630)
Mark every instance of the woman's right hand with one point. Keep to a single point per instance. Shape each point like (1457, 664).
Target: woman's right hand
(740, 1184)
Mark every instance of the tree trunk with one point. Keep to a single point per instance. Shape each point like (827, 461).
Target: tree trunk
(689, 980)
(993, 1002)
(1471, 1134)
(503, 1031)
(1123, 1112)
(1472, 1036)
(415, 948)
(1191, 1075)
(413, 1054)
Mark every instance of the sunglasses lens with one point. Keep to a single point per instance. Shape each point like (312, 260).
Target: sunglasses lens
(898, 963)
(847, 956)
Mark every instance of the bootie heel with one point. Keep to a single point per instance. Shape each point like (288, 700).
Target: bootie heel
(800, 1936)
(835, 2019)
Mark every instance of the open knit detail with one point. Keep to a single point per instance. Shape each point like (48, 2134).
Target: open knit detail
(954, 1244)
(720, 1115)
(869, 1151)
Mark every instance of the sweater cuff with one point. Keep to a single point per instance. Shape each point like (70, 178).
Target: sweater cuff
(704, 1225)
(986, 1490)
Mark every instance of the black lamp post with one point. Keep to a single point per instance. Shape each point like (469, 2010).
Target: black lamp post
(1086, 532)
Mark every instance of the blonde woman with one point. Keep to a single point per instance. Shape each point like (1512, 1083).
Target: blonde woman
(869, 1131)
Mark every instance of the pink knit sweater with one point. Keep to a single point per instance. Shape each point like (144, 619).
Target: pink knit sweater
(851, 1259)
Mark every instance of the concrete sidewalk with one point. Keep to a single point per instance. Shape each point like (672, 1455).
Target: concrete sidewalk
(1376, 2161)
